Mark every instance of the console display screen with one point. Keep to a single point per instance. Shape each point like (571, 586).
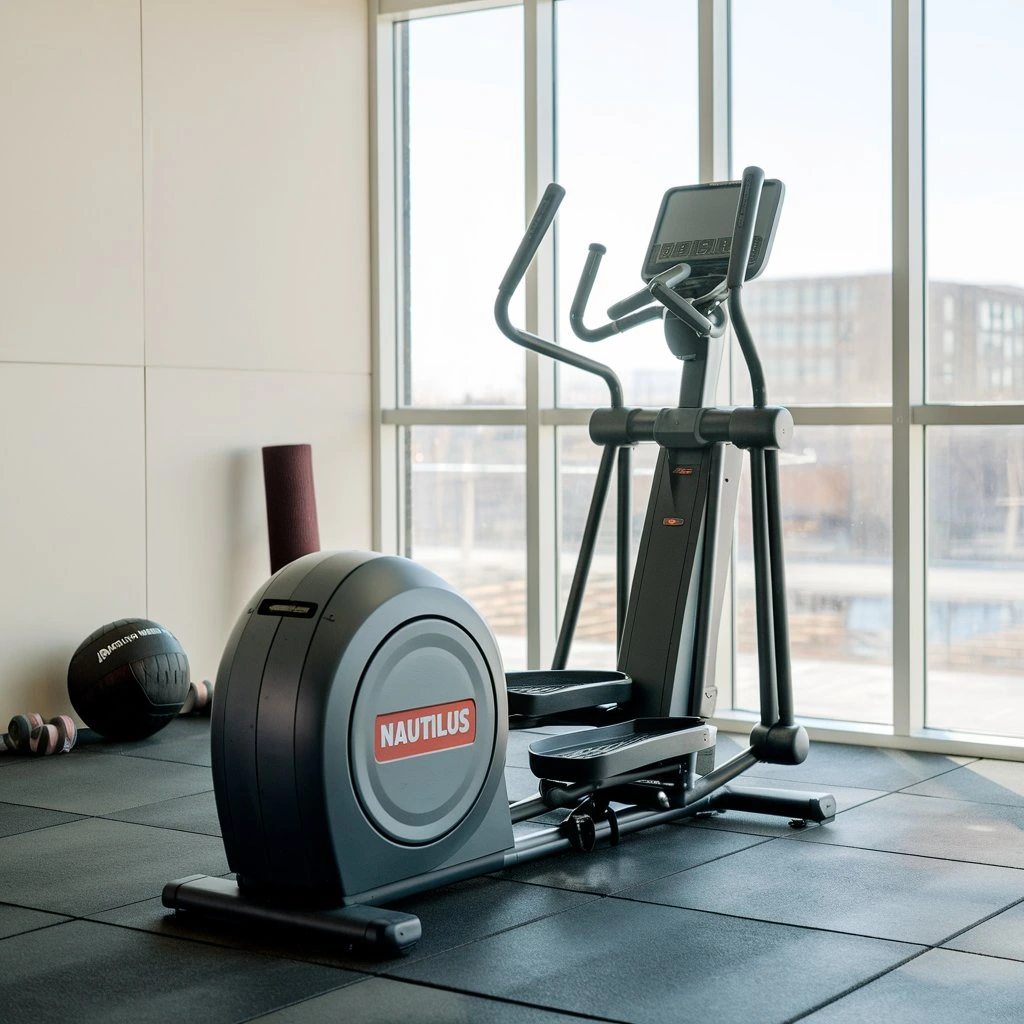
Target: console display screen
(695, 226)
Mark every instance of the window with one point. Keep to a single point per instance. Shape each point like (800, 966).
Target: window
(976, 579)
(834, 239)
(463, 176)
(975, 472)
(467, 518)
(837, 503)
(974, 213)
(896, 339)
(616, 157)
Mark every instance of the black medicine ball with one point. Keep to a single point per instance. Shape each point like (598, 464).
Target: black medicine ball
(128, 679)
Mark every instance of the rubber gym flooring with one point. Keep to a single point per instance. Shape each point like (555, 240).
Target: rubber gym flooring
(908, 907)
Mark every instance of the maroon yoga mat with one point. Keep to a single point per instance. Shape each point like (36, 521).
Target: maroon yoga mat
(291, 503)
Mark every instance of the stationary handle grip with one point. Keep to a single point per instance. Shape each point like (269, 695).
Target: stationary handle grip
(743, 230)
(618, 325)
(582, 297)
(538, 228)
(661, 287)
(629, 304)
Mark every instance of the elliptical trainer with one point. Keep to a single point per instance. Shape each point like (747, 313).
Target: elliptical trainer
(362, 714)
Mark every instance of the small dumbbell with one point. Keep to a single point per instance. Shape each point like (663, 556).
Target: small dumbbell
(199, 699)
(30, 734)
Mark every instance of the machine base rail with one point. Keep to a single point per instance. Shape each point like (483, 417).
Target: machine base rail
(367, 929)
(797, 805)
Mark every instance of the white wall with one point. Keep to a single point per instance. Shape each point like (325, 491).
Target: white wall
(184, 277)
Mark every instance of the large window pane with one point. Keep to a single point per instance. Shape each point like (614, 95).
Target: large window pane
(626, 111)
(974, 157)
(464, 187)
(467, 520)
(594, 645)
(836, 496)
(976, 579)
(811, 105)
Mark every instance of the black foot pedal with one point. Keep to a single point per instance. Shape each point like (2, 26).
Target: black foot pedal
(600, 754)
(374, 930)
(546, 692)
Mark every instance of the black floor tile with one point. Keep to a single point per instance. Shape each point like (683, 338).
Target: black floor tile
(185, 739)
(637, 962)
(1002, 935)
(640, 856)
(92, 972)
(930, 827)
(452, 916)
(884, 895)
(197, 813)
(986, 782)
(940, 987)
(838, 764)
(15, 818)
(88, 783)
(384, 1001)
(15, 920)
(91, 865)
(468, 911)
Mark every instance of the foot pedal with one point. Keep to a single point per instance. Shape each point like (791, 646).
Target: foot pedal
(611, 750)
(546, 692)
(368, 929)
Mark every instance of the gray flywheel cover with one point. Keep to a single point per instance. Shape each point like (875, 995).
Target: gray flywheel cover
(422, 730)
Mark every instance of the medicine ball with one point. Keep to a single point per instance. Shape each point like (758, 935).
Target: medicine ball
(128, 679)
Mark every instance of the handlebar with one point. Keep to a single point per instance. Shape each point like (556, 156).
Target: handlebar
(743, 230)
(619, 324)
(535, 232)
(742, 241)
(538, 227)
(661, 288)
(630, 303)
(634, 309)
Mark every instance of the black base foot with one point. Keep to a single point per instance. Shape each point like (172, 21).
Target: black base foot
(373, 930)
(786, 803)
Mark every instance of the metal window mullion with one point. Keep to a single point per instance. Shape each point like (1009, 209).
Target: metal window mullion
(908, 312)
(969, 415)
(713, 88)
(541, 461)
(714, 158)
(455, 416)
(386, 262)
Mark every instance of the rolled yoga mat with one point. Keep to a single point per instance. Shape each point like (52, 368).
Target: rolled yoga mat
(291, 503)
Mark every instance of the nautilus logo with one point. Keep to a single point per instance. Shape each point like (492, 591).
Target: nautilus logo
(424, 730)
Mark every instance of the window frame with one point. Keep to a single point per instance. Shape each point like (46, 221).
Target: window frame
(908, 415)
